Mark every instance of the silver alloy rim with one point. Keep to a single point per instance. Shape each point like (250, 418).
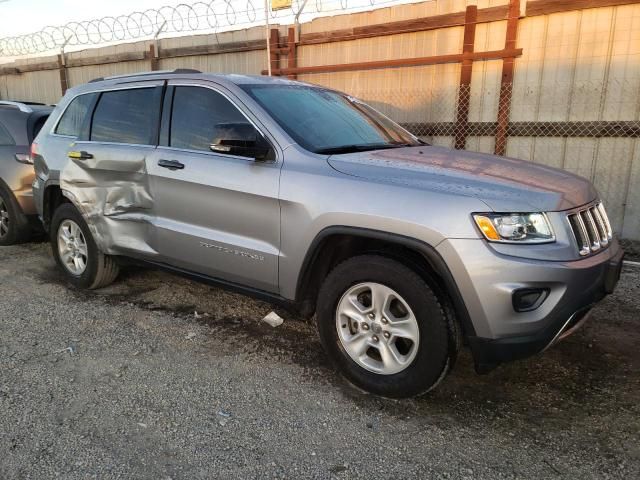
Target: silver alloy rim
(72, 247)
(4, 219)
(377, 328)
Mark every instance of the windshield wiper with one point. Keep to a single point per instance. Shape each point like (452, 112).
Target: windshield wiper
(359, 148)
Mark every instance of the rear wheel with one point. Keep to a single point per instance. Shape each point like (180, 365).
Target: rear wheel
(384, 328)
(14, 227)
(76, 252)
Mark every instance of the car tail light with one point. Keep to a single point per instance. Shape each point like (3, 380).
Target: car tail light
(33, 152)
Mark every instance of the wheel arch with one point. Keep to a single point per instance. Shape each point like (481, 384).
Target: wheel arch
(337, 243)
(52, 198)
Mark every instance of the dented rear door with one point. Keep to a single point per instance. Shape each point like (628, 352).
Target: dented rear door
(106, 175)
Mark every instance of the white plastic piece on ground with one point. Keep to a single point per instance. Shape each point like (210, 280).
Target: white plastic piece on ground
(631, 264)
(273, 319)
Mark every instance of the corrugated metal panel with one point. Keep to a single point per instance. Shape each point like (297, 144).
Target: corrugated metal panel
(41, 86)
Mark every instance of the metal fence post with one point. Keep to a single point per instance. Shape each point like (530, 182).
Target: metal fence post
(464, 92)
(62, 68)
(506, 84)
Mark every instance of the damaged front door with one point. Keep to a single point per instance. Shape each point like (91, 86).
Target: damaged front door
(218, 214)
(106, 176)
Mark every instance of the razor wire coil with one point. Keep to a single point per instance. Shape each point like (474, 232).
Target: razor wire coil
(216, 15)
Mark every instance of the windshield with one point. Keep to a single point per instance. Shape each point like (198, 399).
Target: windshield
(325, 121)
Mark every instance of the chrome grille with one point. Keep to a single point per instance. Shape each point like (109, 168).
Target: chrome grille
(591, 229)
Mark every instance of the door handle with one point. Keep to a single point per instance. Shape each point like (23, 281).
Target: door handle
(171, 164)
(81, 155)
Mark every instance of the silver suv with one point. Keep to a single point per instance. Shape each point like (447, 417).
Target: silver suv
(310, 198)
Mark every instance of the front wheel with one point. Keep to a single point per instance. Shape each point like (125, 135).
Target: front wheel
(384, 328)
(76, 252)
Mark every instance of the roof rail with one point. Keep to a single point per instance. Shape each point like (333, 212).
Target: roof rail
(142, 74)
(20, 106)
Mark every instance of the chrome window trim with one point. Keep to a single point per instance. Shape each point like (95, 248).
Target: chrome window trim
(95, 142)
(204, 152)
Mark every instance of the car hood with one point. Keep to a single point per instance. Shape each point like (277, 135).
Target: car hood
(504, 184)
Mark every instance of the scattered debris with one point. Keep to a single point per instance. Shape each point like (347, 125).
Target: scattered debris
(191, 335)
(338, 468)
(71, 349)
(224, 418)
(273, 319)
(200, 315)
(143, 425)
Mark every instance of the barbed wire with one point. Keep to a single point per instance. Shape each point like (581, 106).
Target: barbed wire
(215, 16)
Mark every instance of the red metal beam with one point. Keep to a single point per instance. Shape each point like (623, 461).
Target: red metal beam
(292, 59)
(402, 62)
(506, 86)
(62, 68)
(464, 97)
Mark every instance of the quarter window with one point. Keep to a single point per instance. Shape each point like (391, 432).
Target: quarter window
(127, 116)
(74, 116)
(196, 112)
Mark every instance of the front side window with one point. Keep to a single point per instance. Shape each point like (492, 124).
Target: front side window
(127, 116)
(5, 137)
(74, 116)
(197, 112)
(324, 121)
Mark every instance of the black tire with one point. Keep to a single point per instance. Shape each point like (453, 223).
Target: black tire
(101, 269)
(437, 347)
(18, 228)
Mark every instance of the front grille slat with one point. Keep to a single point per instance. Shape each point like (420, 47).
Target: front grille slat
(580, 232)
(594, 236)
(591, 229)
(605, 218)
(602, 229)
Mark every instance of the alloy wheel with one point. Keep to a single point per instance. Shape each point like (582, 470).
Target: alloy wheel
(72, 247)
(377, 328)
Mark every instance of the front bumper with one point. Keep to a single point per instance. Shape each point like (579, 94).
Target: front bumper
(487, 281)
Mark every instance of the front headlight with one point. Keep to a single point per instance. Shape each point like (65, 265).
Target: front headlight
(515, 227)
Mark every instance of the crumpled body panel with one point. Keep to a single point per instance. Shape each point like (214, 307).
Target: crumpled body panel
(113, 193)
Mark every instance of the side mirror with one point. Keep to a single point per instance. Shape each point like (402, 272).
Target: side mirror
(240, 139)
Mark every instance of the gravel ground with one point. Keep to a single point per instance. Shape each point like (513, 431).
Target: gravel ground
(128, 382)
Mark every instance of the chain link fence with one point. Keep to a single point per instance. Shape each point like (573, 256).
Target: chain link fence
(453, 116)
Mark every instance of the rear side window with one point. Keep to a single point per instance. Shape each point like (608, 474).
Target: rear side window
(127, 116)
(196, 111)
(73, 117)
(5, 136)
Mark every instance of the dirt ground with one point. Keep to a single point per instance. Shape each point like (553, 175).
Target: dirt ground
(129, 382)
